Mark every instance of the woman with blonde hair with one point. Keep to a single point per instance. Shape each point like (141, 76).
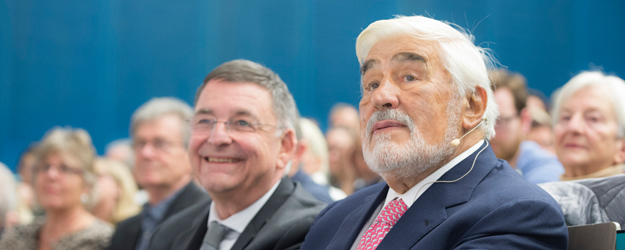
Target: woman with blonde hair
(63, 180)
(116, 191)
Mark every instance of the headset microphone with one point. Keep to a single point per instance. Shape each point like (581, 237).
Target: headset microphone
(456, 142)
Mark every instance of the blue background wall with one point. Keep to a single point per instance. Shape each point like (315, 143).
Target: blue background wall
(89, 64)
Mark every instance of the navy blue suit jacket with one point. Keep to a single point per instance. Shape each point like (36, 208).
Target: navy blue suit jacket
(492, 207)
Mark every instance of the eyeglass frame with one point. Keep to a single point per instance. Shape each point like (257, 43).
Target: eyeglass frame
(62, 169)
(254, 126)
(158, 144)
(503, 122)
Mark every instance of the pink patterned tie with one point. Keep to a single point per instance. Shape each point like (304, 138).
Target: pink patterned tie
(380, 227)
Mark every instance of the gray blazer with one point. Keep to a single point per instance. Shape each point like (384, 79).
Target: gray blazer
(282, 223)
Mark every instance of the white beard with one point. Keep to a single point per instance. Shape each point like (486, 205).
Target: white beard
(391, 160)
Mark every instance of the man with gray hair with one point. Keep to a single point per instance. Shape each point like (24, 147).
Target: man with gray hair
(160, 139)
(242, 138)
(426, 112)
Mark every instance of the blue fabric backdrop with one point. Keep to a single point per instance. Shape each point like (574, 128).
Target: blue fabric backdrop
(89, 64)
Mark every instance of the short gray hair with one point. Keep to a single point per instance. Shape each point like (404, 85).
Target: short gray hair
(8, 196)
(160, 106)
(241, 71)
(613, 87)
(466, 63)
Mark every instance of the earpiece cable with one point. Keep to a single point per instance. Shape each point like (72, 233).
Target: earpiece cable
(474, 160)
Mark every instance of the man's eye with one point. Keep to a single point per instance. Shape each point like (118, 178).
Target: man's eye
(409, 78)
(374, 85)
(243, 123)
(205, 121)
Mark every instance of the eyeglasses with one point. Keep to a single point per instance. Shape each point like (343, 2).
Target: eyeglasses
(61, 168)
(503, 122)
(158, 144)
(205, 124)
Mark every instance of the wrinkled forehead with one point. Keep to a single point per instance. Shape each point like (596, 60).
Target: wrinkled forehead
(402, 49)
(231, 99)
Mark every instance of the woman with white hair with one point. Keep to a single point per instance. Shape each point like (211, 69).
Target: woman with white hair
(63, 178)
(589, 126)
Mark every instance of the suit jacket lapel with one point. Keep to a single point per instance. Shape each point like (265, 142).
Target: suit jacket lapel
(179, 203)
(134, 230)
(198, 229)
(430, 210)
(424, 215)
(281, 194)
(353, 222)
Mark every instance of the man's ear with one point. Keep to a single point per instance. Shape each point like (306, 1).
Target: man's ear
(619, 156)
(287, 149)
(474, 108)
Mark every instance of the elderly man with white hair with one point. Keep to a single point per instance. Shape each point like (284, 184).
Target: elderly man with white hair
(426, 112)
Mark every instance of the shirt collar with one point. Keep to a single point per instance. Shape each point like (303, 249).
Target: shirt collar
(157, 212)
(411, 195)
(238, 222)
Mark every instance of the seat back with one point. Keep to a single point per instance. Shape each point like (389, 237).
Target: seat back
(596, 236)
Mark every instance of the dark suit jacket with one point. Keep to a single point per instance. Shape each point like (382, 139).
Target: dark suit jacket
(492, 207)
(282, 223)
(128, 231)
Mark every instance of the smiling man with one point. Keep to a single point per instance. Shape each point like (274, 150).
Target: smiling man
(241, 142)
(426, 111)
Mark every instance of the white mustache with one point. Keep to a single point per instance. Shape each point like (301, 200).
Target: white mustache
(389, 114)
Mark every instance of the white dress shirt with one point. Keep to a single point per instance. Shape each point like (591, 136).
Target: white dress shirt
(415, 192)
(238, 222)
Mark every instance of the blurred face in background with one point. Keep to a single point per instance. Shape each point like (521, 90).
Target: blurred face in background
(341, 146)
(543, 135)
(59, 182)
(345, 117)
(108, 193)
(586, 132)
(508, 129)
(161, 159)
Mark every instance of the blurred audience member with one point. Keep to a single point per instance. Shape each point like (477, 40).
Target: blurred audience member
(315, 158)
(344, 115)
(160, 137)
(366, 176)
(121, 150)
(296, 173)
(589, 126)
(26, 205)
(342, 143)
(63, 180)
(534, 163)
(537, 99)
(116, 190)
(541, 131)
(8, 199)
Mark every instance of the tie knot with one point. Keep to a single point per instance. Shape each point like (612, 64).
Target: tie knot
(393, 211)
(214, 236)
